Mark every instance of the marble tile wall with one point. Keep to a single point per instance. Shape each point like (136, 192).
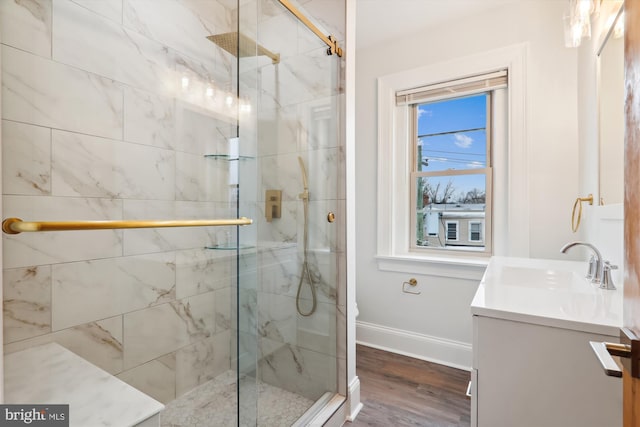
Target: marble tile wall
(105, 116)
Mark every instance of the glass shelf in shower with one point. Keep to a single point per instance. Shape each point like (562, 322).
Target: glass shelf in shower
(227, 157)
(228, 247)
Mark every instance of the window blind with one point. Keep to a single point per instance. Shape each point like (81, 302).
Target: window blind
(453, 88)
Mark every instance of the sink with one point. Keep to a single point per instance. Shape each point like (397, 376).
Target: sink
(547, 292)
(538, 277)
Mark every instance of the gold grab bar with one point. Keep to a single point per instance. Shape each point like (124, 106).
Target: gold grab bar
(329, 40)
(17, 226)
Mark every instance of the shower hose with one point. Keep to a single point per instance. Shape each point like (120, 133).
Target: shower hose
(306, 272)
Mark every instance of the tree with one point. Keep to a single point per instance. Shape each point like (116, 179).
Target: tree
(473, 196)
(436, 193)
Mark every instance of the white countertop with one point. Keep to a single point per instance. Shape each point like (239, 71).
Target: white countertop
(51, 374)
(550, 293)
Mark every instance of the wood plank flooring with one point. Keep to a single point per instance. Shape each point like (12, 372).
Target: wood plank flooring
(399, 391)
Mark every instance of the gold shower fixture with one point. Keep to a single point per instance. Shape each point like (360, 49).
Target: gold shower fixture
(242, 46)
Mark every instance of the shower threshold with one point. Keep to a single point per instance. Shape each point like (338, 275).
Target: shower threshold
(213, 404)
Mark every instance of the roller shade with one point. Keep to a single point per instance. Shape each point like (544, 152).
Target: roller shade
(453, 88)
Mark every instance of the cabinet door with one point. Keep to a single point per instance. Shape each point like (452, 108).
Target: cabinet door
(531, 375)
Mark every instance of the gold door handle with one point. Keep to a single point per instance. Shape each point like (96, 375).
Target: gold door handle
(628, 350)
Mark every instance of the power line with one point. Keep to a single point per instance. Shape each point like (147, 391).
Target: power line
(426, 135)
(452, 152)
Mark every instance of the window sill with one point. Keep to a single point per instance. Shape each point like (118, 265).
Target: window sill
(468, 267)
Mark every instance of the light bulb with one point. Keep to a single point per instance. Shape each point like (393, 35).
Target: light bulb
(585, 7)
(209, 92)
(229, 100)
(185, 82)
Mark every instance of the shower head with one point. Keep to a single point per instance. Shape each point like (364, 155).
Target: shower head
(304, 174)
(242, 46)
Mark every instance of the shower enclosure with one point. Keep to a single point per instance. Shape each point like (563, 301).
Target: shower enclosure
(176, 111)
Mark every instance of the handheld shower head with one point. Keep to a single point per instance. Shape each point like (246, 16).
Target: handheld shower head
(304, 174)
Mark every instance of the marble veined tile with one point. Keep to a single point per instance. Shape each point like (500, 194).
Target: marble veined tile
(93, 43)
(280, 131)
(325, 168)
(281, 229)
(145, 241)
(84, 165)
(190, 25)
(324, 273)
(200, 178)
(199, 133)
(26, 25)
(324, 235)
(42, 92)
(202, 361)
(300, 371)
(319, 121)
(318, 331)
(149, 119)
(28, 249)
(283, 172)
(280, 278)
(26, 159)
(97, 342)
(299, 78)
(111, 9)
(202, 270)
(175, 325)
(223, 309)
(90, 290)
(201, 309)
(277, 317)
(156, 378)
(27, 302)
(95, 397)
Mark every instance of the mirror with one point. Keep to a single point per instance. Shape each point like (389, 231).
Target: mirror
(611, 113)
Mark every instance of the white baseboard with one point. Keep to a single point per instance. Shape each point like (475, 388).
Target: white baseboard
(432, 349)
(353, 400)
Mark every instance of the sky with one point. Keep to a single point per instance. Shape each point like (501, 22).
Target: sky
(459, 150)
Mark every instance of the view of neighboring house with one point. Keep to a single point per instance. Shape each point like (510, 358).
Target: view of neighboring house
(454, 224)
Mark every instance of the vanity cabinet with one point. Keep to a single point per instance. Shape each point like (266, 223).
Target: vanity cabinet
(532, 362)
(530, 375)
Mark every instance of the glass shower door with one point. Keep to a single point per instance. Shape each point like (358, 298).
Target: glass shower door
(292, 284)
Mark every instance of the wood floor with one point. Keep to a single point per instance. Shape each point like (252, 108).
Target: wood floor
(401, 391)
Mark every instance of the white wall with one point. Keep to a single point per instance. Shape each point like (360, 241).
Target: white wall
(437, 324)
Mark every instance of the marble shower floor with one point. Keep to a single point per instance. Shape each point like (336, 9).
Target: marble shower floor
(213, 404)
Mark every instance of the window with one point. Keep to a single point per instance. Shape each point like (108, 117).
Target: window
(397, 248)
(451, 169)
(475, 231)
(452, 231)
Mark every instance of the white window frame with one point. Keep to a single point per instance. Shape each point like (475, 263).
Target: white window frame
(510, 178)
(486, 171)
(446, 231)
(481, 231)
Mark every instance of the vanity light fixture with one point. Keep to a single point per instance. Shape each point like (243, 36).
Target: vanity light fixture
(577, 21)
